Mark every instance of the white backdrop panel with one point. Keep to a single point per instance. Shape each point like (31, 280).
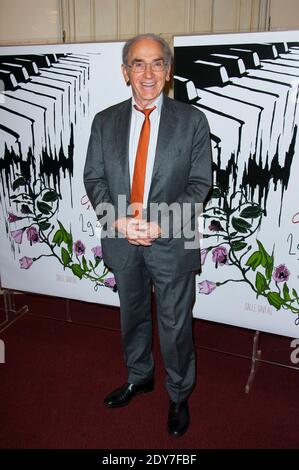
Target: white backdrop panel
(247, 85)
(50, 96)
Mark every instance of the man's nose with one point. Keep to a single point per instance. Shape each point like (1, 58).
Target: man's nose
(148, 72)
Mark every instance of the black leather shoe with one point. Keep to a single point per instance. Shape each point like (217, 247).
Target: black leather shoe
(123, 395)
(178, 418)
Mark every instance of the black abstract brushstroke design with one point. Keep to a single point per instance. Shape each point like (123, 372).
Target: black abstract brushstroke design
(249, 93)
(257, 175)
(51, 166)
(215, 68)
(27, 76)
(46, 94)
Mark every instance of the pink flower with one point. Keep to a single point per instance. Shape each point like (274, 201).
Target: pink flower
(281, 273)
(12, 217)
(206, 287)
(215, 226)
(25, 209)
(79, 248)
(203, 255)
(25, 262)
(32, 234)
(220, 256)
(17, 235)
(97, 251)
(111, 283)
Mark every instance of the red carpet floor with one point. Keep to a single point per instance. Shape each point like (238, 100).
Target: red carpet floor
(57, 373)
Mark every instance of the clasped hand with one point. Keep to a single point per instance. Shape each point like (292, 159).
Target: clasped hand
(138, 231)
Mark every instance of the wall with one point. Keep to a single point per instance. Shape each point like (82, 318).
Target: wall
(30, 21)
(118, 19)
(284, 15)
(43, 21)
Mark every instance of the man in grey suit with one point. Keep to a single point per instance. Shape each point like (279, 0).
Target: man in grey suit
(144, 245)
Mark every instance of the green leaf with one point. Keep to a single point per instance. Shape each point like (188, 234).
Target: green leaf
(265, 257)
(261, 283)
(43, 207)
(44, 225)
(254, 260)
(238, 245)
(84, 263)
(50, 196)
(251, 212)
(58, 237)
(18, 182)
(240, 225)
(67, 237)
(77, 270)
(69, 243)
(275, 300)
(64, 232)
(269, 267)
(216, 194)
(66, 259)
(294, 292)
(286, 292)
(98, 260)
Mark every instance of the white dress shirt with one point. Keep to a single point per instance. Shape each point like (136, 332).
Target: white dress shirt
(135, 129)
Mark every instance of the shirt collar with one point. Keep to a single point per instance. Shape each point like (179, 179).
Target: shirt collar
(158, 103)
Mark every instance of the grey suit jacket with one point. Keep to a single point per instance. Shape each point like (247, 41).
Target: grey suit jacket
(182, 173)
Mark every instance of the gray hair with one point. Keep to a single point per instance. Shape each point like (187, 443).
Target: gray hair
(167, 55)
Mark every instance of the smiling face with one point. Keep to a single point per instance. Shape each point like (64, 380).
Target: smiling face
(147, 85)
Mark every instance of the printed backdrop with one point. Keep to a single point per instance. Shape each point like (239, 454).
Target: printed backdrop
(247, 86)
(49, 243)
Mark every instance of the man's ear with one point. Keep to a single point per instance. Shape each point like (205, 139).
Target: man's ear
(167, 78)
(125, 74)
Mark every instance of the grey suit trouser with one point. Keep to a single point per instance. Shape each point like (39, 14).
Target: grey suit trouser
(175, 298)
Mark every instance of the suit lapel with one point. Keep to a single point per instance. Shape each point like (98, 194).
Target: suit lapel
(123, 122)
(165, 143)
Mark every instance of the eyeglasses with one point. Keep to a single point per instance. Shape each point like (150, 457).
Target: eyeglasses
(139, 66)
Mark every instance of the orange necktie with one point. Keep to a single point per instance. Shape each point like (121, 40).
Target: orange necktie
(138, 182)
